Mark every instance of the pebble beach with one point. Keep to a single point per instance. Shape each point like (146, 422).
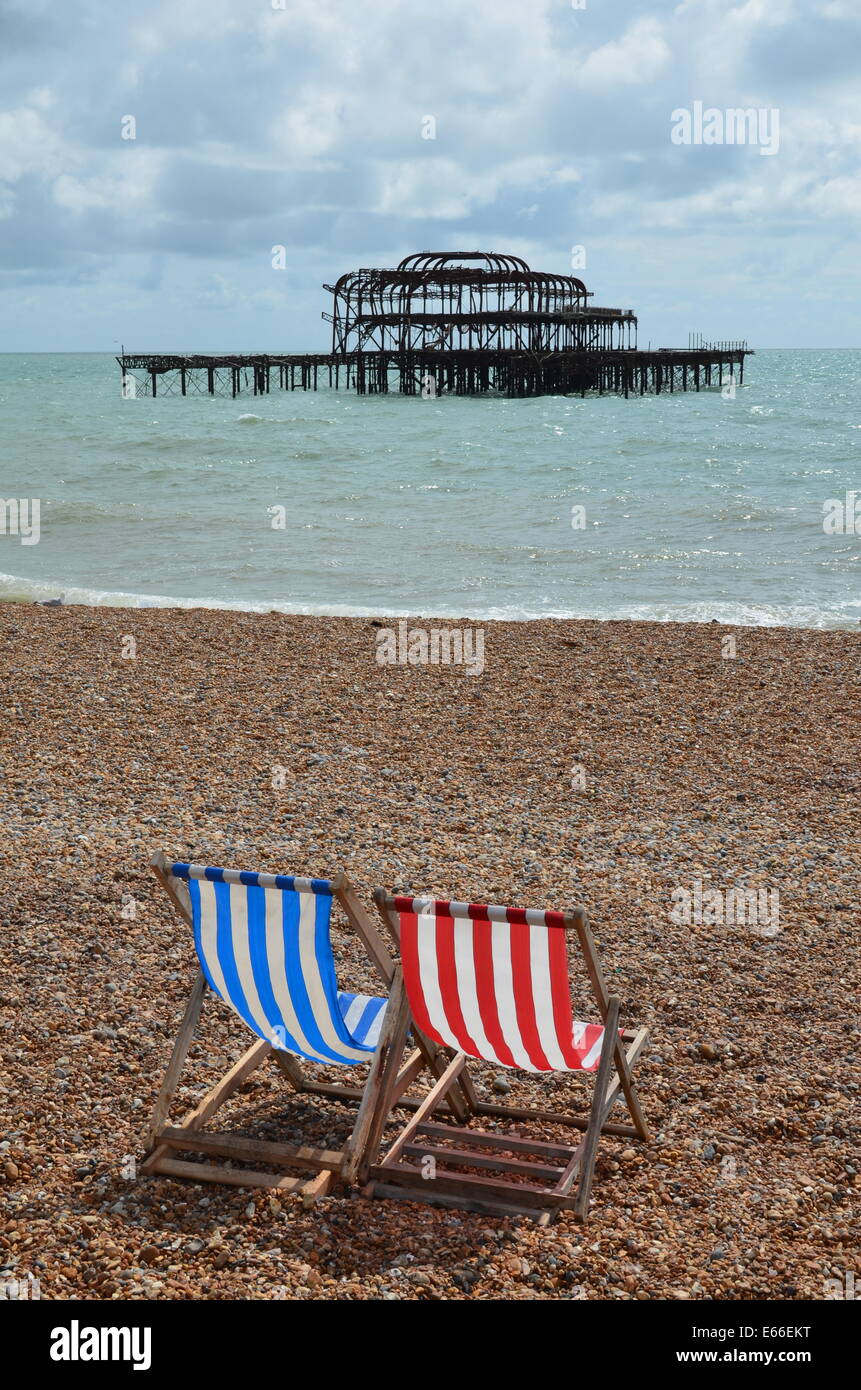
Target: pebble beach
(608, 764)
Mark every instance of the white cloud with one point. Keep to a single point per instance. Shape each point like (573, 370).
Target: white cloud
(439, 187)
(311, 125)
(29, 143)
(637, 57)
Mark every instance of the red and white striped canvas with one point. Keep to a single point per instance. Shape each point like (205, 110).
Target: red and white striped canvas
(493, 982)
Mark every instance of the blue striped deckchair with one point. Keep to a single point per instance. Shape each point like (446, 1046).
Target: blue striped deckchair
(264, 947)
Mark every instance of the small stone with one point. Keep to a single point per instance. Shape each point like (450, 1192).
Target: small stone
(501, 1084)
(708, 1051)
(11, 1170)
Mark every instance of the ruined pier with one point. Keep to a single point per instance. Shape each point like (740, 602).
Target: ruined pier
(454, 323)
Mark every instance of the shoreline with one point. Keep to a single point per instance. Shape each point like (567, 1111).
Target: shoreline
(164, 604)
(615, 765)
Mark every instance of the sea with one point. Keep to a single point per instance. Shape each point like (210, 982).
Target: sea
(687, 507)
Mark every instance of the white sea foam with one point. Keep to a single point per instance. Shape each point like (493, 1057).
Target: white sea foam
(14, 589)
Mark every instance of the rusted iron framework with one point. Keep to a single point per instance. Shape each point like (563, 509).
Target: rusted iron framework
(461, 323)
(471, 301)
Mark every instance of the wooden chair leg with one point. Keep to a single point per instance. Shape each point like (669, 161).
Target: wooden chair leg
(599, 986)
(291, 1068)
(598, 1115)
(206, 1108)
(380, 1087)
(631, 1098)
(177, 1060)
(231, 1081)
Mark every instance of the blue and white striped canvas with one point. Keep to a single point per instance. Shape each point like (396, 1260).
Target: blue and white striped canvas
(263, 942)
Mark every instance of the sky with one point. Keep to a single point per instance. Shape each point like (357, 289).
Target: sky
(307, 125)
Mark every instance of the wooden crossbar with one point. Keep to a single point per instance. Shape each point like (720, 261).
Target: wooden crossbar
(523, 1193)
(245, 1177)
(489, 1139)
(458, 1201)
(474, 1158)
(514, 1112)
(237, 1146)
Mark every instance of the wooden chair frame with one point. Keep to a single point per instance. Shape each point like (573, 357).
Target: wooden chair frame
(547, 1172)
(318, 1169)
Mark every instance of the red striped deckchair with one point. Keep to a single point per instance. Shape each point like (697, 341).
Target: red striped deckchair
(492, 983)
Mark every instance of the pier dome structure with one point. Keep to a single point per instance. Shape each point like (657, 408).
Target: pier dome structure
(471, 301)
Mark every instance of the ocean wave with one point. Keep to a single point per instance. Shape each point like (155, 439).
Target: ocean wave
(15, 589)
(249, 417)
